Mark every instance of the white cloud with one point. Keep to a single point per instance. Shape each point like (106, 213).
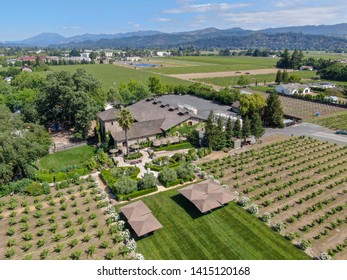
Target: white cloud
(186, 7)
(134, 24)
(162, 19)
(71, 27)
(289, 17)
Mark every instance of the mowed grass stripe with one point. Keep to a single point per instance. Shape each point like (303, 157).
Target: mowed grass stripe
(111, 75)
(226, 233)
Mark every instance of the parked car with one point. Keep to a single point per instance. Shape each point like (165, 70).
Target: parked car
(343, 132)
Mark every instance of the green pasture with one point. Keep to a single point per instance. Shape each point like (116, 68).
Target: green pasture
(336, 120)
(69, 157)
(260, 78)
(205, 64)
(111, 75)
(226, 233)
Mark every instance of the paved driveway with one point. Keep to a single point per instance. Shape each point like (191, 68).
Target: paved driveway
(312, 130)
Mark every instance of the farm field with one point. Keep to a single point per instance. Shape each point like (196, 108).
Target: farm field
(111, 75)
(226, 233)
(69, 223)
(205, 64)
(334, 121)
(305, 109)
(299, 186)
(68, 157)
(260, 78)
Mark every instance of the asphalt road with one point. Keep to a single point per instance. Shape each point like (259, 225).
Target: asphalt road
(312, 130)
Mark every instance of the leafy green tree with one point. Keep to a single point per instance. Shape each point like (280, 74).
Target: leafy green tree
(167, 175)
(125, 121)
(154, 85)
(75, 53)
(229, 134)
(21, 144)
(185, 171)
(294, 78)
(237, 131)
(284, 62)
(148, 181)
(251, 103)
(125, 185)
(273, 112)
(257, 128)
(278, 77)
(296, 59)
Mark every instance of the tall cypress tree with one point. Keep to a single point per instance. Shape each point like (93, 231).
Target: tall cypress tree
(257, 126)
(285, 76)
(246, 128)
(237, 131)
(209, 137)
(273, 112)
(229, 134)
(278, 77)
(219, 135)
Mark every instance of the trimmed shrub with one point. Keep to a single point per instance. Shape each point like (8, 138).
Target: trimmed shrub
(124, 185)
(148, 181)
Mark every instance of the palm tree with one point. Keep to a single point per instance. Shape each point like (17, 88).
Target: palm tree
(125, 120)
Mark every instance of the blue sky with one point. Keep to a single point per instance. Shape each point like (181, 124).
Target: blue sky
(21, 19)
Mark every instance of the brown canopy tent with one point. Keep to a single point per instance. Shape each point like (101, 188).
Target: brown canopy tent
(145, 224)
(135, 209)
(207, 195)
(140, 218)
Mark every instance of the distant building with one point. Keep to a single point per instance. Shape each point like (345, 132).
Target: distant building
(235, 106)
(133, 58)
(8, 79)
(109, 55)
(291, 89)
(26, 68)
(306, 68)
(163, 54)
(322, 85)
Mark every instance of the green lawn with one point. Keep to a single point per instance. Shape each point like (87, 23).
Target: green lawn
(205, 64)
(260, 78)
(334, 121)
(111, 75)
(68, 157)
(226, 233)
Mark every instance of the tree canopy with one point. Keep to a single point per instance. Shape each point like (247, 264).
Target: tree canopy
(21, 144)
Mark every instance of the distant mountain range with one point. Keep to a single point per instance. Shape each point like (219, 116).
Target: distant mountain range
(303, 37)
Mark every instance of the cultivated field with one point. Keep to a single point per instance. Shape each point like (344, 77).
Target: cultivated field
(305, 109)
(205, 64)
(69, 223)
(253, 78)
(334, 121)
(300, 187)
(223, 234)
(111, 75)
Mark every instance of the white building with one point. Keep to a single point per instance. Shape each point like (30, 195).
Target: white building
(109, 55)
(85, 56)
(322, 85)
(163, 54)
(306, 68)
(133, 58)
(291, 89)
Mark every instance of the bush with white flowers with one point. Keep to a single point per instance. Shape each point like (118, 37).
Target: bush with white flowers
(244, 201)
(139, 257)
(266, 217)
(131, 245)
(324, 256)
(120, 225)
(236, 193)
(253, 209)
(278, 227)
(125, 234)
